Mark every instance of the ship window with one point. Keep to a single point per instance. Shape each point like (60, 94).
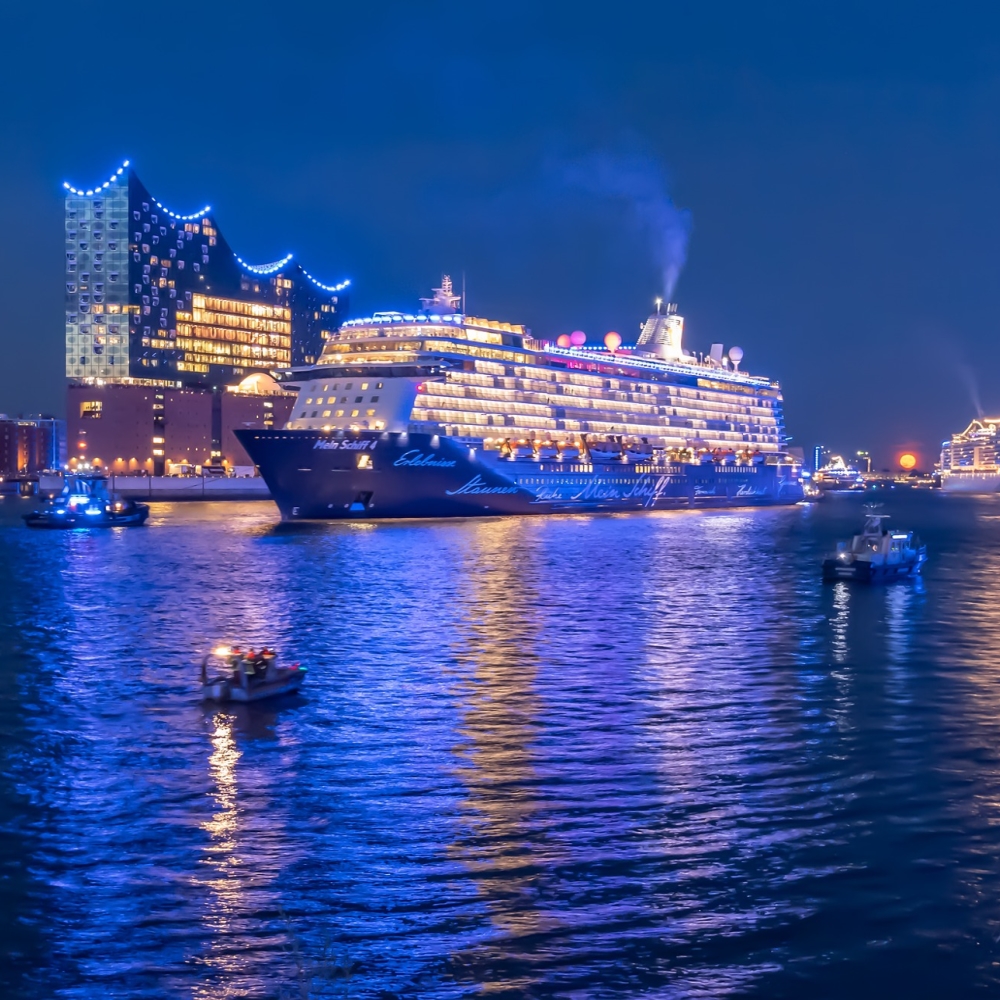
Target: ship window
(371, 413)
(339, 413)
(359, 399)
(326, 413)
(364, 385)
(315, 413)
(374, 399)
(343, 399)
(309, 400)
(350, 385)
(332, 399)
(303, 413)
(378, 385)
(354, 413)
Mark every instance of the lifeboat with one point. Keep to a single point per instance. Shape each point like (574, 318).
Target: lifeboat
(608, 450)
(641, 451)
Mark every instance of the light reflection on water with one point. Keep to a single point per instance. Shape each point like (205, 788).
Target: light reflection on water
(580, 756)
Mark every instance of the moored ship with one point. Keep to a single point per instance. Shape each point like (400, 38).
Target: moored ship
(438, 414)
(969, 459)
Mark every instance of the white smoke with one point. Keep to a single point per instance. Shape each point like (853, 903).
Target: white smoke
(639, 181)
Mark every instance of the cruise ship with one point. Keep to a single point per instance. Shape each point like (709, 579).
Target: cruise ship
(969, 459)
(441, 414)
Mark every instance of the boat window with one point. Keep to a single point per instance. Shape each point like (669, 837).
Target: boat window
(359, 399)
(354, 413)
(339, 413)
(374, 399)
(364, 385)
(326, 413)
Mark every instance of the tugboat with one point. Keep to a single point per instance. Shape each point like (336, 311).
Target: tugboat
(877, 554)
(249, 676)
(86, 503)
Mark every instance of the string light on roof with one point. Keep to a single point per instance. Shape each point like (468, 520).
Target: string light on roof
(184, 218)
(264, 268)
(326, 288)
(100, 187)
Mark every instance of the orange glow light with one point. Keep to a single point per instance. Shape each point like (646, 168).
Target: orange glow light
(907, 461)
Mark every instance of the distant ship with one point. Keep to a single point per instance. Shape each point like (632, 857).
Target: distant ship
(969, 459)
(439, 414)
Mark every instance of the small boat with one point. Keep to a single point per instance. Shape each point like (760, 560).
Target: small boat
(877, 554)
(86, 503)
(247, 678)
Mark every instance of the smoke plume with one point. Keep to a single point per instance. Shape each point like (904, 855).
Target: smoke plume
(639, 182)
(968, 376)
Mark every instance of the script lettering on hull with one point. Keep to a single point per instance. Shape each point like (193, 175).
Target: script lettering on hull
(479, 485)
(424, 461)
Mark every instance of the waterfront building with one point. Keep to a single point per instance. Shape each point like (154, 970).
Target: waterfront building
(159, 296)
(122, 427)
(163, 318)
(969, 459)
(29, 445)
(820, 457)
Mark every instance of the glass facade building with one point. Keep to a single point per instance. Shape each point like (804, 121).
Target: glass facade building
(156, 296)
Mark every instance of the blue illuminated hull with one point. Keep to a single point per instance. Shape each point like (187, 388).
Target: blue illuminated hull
(366, 474)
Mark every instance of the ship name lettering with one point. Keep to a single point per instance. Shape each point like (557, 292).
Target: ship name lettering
(424, 461)
(360, 445)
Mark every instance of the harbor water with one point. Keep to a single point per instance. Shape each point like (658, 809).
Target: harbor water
(582, 756)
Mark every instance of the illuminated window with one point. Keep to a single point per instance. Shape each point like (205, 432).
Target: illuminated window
(371, 413)
(364, 385)
(354, 413)
(339, 413)
(326, 413)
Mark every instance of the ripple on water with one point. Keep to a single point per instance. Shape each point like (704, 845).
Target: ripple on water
(581, 756)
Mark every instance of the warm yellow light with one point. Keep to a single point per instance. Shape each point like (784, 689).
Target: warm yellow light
(907, 461)
(222, 650)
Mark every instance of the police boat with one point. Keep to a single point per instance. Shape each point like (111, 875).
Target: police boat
(877, 554)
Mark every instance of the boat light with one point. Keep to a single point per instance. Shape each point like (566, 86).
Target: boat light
(222, 650)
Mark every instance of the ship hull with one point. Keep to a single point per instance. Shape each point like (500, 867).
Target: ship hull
(313, 475)
(970, 482)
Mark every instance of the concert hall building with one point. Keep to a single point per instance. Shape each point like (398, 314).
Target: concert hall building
(156, 300)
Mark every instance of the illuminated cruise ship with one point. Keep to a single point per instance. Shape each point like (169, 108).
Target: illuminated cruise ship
(969, 459)
(437, 413)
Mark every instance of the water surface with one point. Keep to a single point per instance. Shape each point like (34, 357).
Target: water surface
(596, 756)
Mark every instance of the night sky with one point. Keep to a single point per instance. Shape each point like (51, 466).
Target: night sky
(840, 164)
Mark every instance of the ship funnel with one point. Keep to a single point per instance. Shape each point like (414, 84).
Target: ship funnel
(663, 333)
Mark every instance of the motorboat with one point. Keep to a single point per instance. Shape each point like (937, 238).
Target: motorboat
(86, 503)
(247, 677)
(877, 554)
